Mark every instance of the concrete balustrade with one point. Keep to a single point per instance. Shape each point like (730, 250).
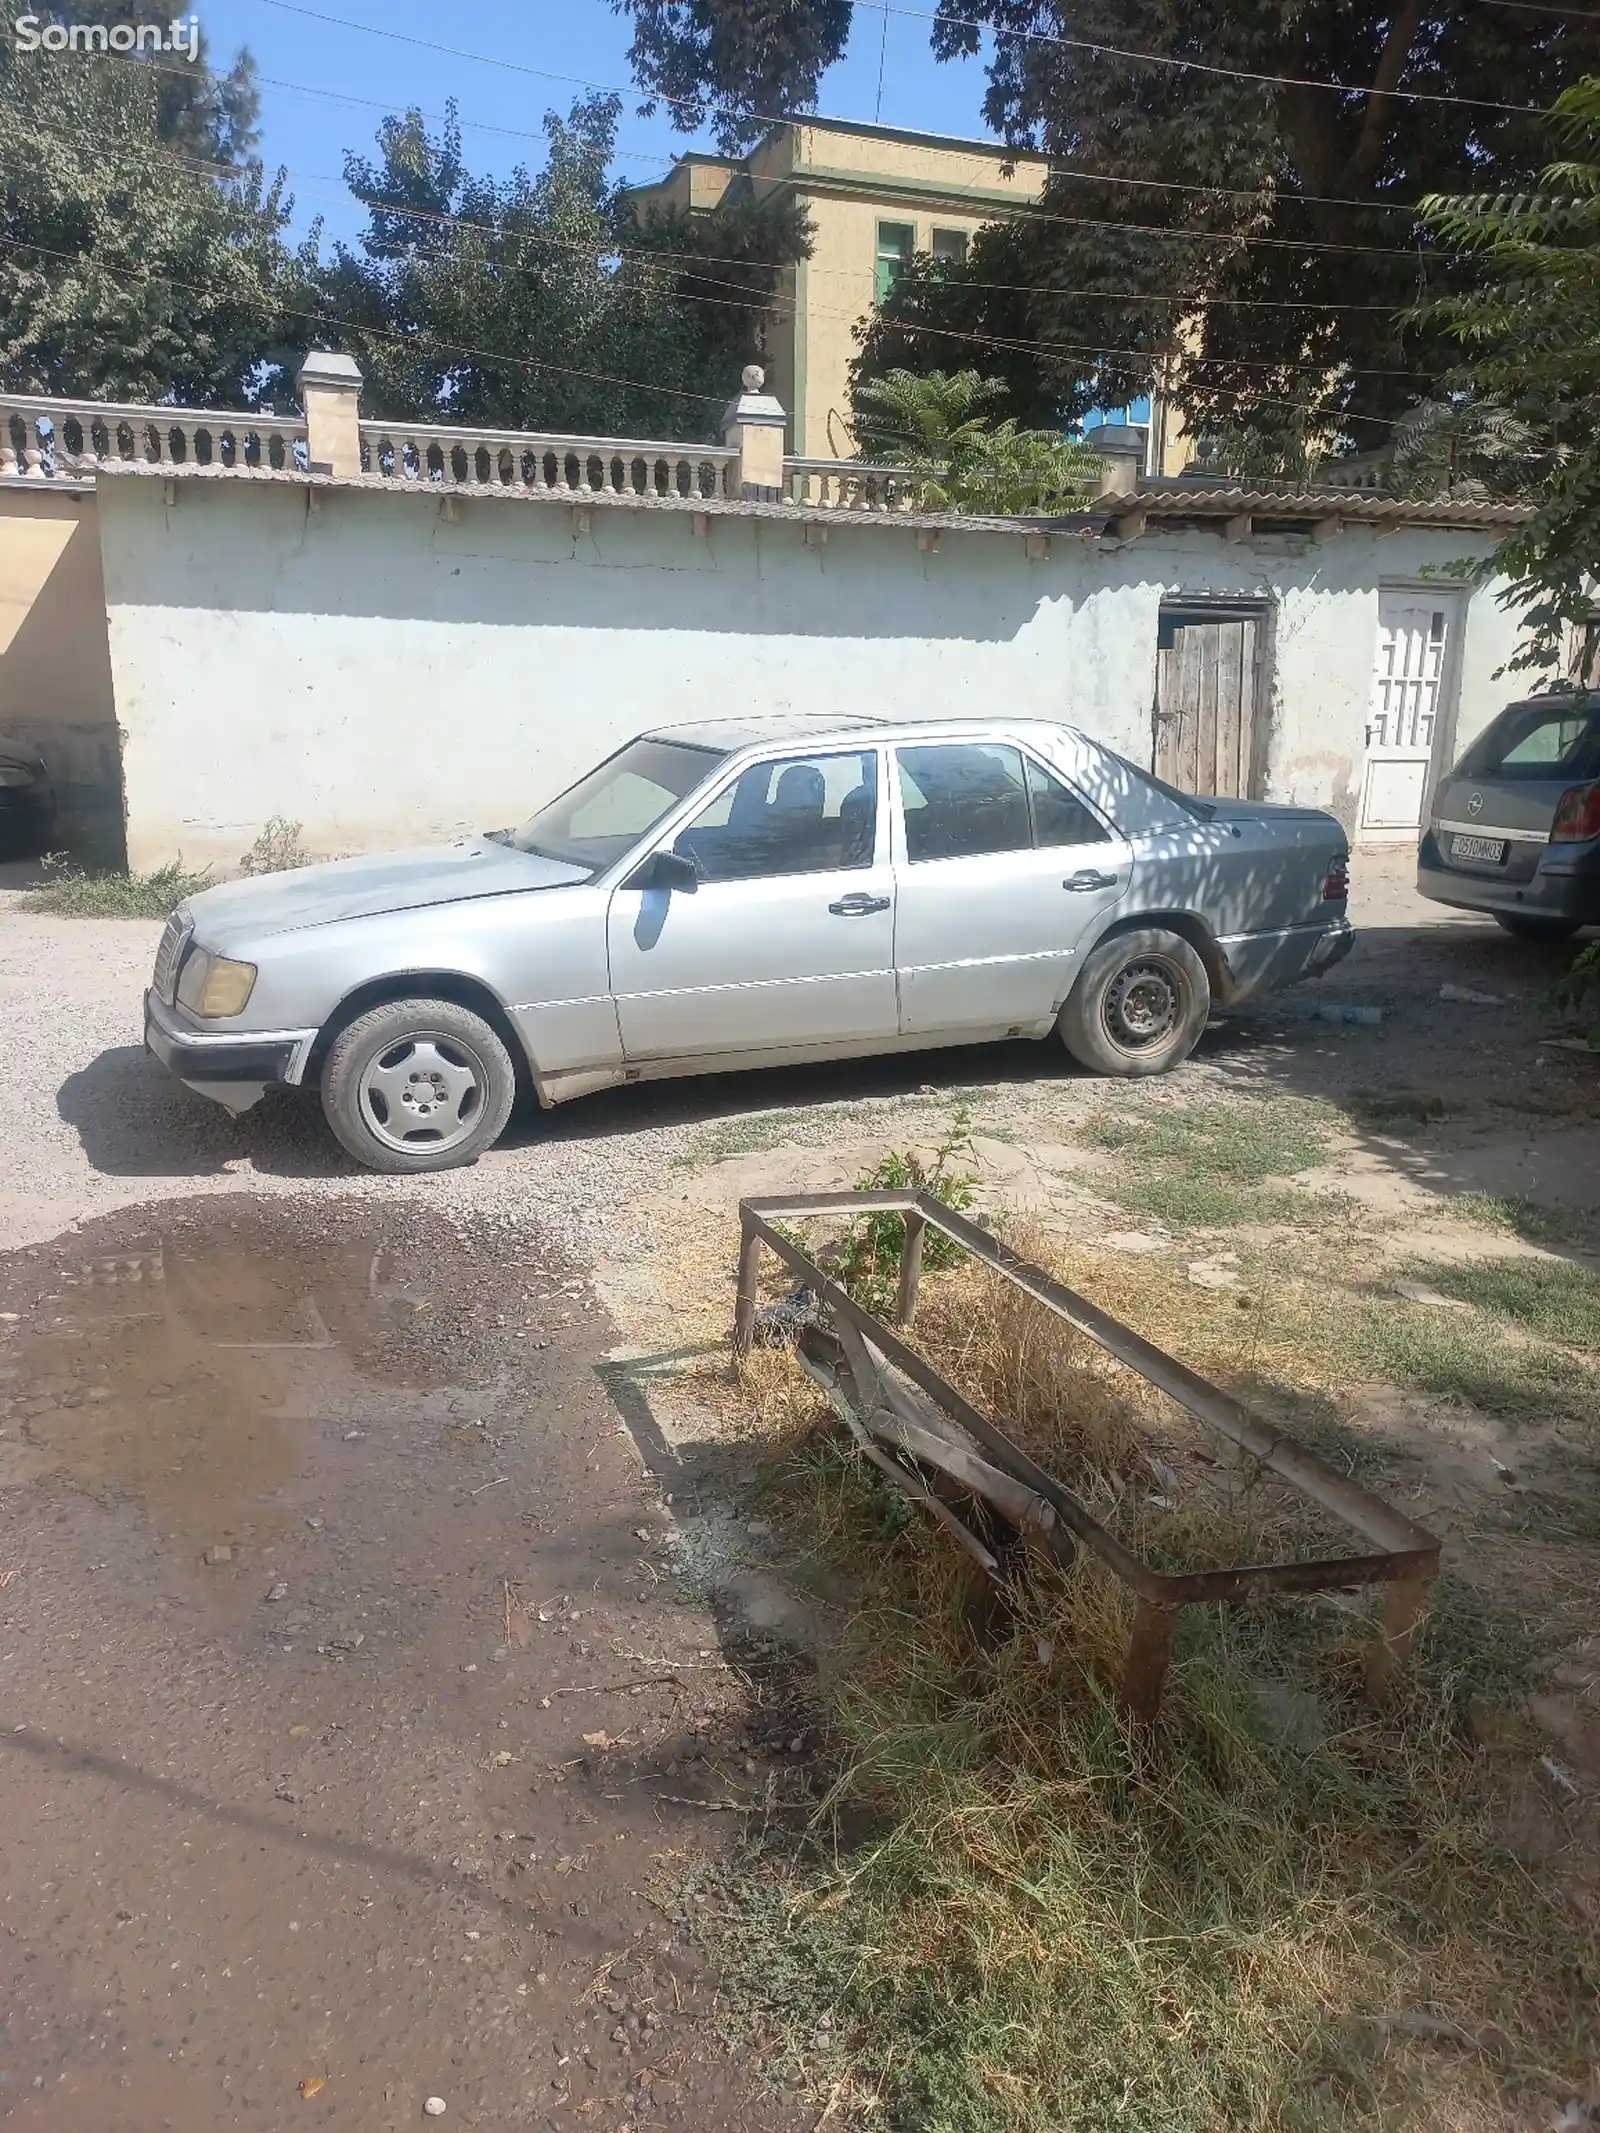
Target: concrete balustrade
(67, 440)
(539, 463)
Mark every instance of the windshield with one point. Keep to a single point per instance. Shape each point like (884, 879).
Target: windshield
(604, 815)
(1554, 738)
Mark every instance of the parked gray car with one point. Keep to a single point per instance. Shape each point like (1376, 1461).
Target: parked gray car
(1516, 825)
(749, 893)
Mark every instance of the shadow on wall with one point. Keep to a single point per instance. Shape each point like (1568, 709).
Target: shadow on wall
(516, 563)
(507, 560)
(55, 667)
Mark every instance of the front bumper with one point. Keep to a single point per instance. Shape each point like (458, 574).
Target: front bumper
(232, 1066)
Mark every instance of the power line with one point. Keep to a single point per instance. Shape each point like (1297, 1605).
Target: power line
(201, 166)
(1010, 211)
(1155, 59)
(330, 319)
(1191, 66)
(688, 265)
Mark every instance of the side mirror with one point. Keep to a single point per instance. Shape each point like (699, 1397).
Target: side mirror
(667, 870)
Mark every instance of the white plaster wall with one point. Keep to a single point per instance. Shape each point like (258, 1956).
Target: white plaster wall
(384, 677)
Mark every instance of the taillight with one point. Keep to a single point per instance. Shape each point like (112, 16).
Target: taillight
(1337, 886)
(1577, 816)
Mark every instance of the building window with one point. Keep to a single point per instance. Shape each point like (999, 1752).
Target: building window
(896, 241)
(950, 248)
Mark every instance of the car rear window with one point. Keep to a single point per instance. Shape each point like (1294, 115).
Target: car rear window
(1557, 737)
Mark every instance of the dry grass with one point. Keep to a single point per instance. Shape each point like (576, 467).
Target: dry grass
(1294, 1912)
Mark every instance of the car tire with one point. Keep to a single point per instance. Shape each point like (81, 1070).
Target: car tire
(1139, 1005)
(417, 1085)
(1529, 926)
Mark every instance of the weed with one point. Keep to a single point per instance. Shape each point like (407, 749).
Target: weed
(277, 850)
(1514, 1211)
(869, 1259)
(69, 891)
(1394, 1109)
(1050, 1927)
(1572, 993)
(1558, 1301)
(1214, 1166)
(1464, 1361)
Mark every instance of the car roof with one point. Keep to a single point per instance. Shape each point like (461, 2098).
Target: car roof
(730, 735)
(755, 729)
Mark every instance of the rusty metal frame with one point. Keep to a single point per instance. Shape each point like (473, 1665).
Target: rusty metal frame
(1404, 1556)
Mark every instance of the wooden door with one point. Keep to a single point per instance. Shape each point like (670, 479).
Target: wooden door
(1206, 687)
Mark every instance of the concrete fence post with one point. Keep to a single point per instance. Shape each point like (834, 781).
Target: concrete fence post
(754, 425)
(330, 393)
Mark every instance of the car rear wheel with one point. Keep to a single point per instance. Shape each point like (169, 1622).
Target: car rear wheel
(1527, 926)
(1139, 1005)
(418, 1085)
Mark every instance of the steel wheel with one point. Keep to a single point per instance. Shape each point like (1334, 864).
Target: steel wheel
(1144, 1003)
(1139, 1005)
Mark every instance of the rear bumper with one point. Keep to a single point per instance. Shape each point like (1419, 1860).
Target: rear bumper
(232, 1066)
(1260, 963)
(1569, 891)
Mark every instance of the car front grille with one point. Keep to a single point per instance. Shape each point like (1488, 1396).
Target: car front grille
(168, 957)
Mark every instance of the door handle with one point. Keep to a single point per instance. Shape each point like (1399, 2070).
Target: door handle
(858, 905)
(1088, 878)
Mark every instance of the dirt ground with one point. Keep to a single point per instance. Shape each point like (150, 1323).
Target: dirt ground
(352, 1727)
(386, 1622)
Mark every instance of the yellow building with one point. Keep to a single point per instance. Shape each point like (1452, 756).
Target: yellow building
(874, 196)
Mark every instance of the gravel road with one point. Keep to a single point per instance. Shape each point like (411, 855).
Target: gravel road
(93, 1124)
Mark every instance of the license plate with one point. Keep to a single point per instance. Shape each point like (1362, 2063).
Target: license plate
(1493, 849)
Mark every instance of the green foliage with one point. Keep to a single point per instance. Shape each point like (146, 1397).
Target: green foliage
(1524, 1217)
(539, 301)
(937, 425)
(1215, 1166)
(130, 271)
(869, 1259)
(1249, 242)
(73, 892)
(1529, 335)
(1550, 1297)
(1572, 993)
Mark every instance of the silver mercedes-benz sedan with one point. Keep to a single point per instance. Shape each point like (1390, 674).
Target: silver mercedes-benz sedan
(749, 893)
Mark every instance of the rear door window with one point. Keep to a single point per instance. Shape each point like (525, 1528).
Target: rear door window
(1558, 739)
(963, 799)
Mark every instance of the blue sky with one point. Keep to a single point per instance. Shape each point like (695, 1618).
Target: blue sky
(582, 40)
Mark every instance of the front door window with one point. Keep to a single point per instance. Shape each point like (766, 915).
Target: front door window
(803, 815)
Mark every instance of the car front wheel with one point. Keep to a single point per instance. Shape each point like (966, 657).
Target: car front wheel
(1139, 1005)
(418, 1085)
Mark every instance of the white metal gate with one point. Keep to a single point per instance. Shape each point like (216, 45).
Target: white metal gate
(1403, 714)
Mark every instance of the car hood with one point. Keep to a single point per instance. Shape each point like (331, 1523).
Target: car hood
(366, 888)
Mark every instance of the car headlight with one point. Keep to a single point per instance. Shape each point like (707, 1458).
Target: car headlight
(15, 774)
(211, 985)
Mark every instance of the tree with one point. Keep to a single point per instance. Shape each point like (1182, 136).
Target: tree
(937, 424)
(1219, 221)
(129, 270)
(198, 111)
(541, 301)
(1530, 335)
